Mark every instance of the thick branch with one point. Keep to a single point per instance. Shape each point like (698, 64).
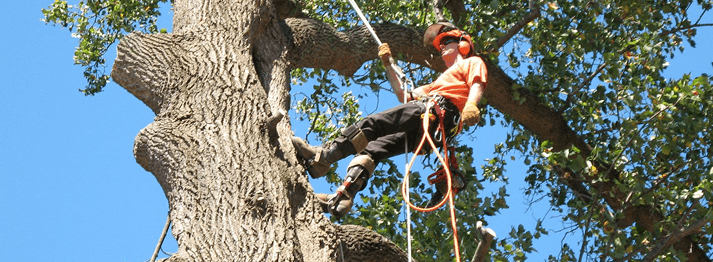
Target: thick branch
(360, 244)
(438, 10)
(457, 9)
(288, 8)
(143, 66)
(543, 121)
(318, 45)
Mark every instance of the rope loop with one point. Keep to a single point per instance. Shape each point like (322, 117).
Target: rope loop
(446, 165)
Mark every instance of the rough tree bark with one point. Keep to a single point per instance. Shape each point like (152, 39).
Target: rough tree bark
(218, 83)
(235, 190)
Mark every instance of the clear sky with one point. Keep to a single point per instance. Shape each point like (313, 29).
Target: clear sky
(70, 188)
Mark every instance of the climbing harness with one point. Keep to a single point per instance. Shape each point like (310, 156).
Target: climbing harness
(447, 164)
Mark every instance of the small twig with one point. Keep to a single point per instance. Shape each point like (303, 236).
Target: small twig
(163, 236)
(585, 240)
(502, 12)
(631, 140)
(585, 83)
(683, 28)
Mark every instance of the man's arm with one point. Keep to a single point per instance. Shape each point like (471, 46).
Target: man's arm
(471, 112)
(392, 74)
(476, 93)
(396, 84)
(394, 80)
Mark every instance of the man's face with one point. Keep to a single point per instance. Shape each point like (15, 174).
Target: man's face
(449, 53)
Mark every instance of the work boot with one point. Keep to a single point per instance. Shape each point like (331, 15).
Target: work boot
(358, 173)
(324, 201)
(317, 159)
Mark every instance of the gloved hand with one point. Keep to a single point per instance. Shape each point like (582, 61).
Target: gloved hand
(470, 114)
(384, 53)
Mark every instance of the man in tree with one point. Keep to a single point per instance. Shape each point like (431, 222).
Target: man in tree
(456, 92)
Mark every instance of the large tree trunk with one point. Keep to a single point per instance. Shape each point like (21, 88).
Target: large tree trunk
(219, 146)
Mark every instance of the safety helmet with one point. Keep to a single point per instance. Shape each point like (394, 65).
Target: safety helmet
(440, 31)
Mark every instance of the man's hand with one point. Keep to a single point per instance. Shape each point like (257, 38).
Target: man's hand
(470, 114)
(384, 53)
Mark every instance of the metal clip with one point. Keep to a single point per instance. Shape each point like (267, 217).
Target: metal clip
(438, 136)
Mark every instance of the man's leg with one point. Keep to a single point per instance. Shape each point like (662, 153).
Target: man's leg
(355, 138)
(320, 159)
(402, 118)
(361, 168)
(358, 173)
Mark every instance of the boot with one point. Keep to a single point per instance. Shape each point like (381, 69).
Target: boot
(358, 173)
(318, 159)
(324, 201)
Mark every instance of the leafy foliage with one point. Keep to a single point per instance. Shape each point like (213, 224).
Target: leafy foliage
(98, 25)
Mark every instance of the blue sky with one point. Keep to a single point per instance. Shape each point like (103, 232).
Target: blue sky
(70, 189)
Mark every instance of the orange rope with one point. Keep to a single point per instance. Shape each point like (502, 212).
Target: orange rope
(449, 195)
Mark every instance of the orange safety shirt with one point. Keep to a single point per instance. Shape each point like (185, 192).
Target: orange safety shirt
(454, 84)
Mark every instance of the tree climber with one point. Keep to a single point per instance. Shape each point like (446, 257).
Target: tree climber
(382, 135)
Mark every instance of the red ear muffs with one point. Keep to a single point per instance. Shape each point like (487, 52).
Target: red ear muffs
(464, 48)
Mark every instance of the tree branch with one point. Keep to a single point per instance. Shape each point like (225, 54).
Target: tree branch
(666, 32)
(438, 10)
(142, 66)
(457, 9)
(360, 244)
(694, 227)
(534, 14)
(316, 44)
(288, 8)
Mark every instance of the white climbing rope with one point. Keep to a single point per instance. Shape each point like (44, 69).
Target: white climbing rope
(405, 84)
(366, 23)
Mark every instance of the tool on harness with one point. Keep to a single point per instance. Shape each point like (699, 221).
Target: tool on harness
(458, 180)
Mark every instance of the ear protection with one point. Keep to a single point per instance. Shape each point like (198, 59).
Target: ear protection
(464, 43)
(464, 47)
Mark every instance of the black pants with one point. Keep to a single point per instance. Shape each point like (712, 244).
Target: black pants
(387, 131)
